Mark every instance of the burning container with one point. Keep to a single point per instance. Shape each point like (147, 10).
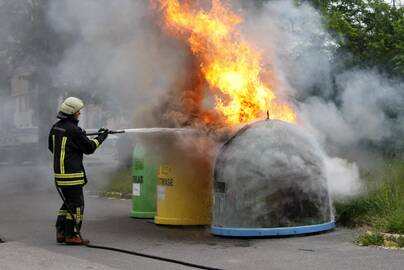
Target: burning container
(269, 179)
(184, 187)
(144, 173)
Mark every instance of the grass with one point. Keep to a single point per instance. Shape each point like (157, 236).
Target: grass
(380, 208)
(370, 239)
(400, 241)
(120, 184)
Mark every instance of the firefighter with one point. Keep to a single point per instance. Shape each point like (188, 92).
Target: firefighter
(68, 142)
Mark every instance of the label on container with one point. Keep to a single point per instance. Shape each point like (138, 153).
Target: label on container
(136, 189)
(165, 177)
(161, 192)
(165, 171)
(138, 179)
(166, 182)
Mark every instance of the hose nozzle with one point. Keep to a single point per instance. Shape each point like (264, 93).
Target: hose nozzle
(111, 131)
(116, 131)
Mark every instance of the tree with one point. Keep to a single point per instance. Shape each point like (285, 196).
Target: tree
(373, 31)
(35, 44)
(10, 15)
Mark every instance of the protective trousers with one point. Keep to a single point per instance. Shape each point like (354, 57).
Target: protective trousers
(67, 224)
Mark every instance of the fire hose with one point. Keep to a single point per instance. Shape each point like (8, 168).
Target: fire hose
(69, 209)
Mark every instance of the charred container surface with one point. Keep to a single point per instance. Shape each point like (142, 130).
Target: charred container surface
(269, 180)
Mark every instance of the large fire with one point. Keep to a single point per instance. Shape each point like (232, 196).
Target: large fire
(228, 63)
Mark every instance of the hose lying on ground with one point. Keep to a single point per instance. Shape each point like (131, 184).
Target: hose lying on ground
(133, 252)
(155, 257)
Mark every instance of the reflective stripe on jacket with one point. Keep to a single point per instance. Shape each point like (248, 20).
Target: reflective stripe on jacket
(68, 143)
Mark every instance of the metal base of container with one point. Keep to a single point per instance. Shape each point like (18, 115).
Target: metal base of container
(136, 214)
(281, 231)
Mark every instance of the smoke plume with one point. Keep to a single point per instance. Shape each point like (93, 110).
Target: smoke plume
(347, 111)
(118, 53)
(121, 51)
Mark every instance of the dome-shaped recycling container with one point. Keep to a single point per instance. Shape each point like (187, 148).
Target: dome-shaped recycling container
(270, 180)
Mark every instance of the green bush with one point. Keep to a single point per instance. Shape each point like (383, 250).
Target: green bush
(400, 241)
(370, 239)
(381, 205)
(395, 222)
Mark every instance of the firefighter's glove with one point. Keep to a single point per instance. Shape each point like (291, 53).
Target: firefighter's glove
(103, 133)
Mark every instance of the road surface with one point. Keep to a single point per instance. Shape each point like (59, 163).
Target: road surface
(29, 203)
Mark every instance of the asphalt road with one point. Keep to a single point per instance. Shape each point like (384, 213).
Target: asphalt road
(29, 203)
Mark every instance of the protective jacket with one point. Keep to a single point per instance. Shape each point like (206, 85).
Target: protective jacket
(68, 142)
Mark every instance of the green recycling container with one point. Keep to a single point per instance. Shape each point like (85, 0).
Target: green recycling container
(144, 186)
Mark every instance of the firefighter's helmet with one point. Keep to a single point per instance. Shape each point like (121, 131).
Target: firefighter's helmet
(71, 105)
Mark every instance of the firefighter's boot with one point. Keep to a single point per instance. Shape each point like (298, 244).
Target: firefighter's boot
(60, 236)
(76, 240)
(60, 225)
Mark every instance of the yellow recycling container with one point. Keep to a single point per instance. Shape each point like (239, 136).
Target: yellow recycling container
(184, 184)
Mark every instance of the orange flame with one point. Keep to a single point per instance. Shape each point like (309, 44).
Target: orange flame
(228, 63)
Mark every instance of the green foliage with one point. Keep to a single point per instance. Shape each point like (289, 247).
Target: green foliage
(400, 241)
(373, 31)
(376, 238)
(381, 206)
(395, 222)
(370, 239)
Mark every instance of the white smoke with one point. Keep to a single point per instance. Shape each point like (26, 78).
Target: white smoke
(303, 55)
(343, 177)
(118, 52)
(295, 45)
